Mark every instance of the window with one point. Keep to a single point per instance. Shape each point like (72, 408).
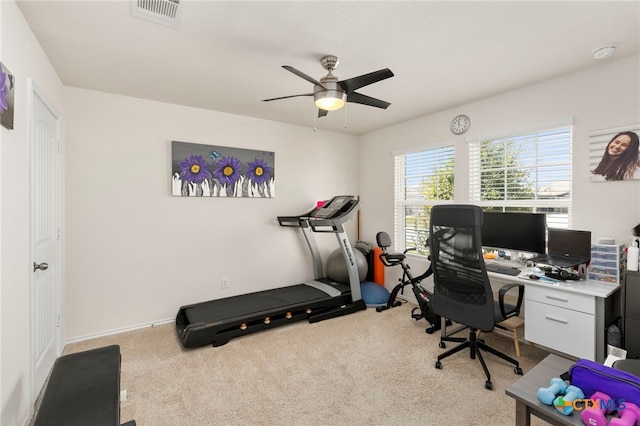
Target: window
(529, 172)
(422, 180)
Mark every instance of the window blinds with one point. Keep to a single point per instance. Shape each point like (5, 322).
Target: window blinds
(528, 172)
(422, 179)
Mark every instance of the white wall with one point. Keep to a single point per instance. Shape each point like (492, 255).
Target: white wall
(606, 96)
(135, 254)
(22, 54)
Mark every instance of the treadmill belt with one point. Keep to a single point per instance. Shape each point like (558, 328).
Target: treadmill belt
(254, 303)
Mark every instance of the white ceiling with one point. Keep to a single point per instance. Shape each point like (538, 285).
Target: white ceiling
(227, 55)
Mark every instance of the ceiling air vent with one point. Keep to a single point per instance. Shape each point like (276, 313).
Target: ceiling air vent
(166, 12)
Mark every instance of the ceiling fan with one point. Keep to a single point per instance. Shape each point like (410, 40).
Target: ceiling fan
(330, 94)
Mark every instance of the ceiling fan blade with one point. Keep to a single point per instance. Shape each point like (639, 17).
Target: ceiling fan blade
(352, 84)
(359, 98)
(287, 97)
(322, 112)
(303, 75)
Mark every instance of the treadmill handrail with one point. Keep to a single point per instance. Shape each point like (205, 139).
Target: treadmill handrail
(293, 221)
(299, 221)
(321, 225)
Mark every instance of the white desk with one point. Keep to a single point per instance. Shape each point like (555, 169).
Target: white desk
(566, 316)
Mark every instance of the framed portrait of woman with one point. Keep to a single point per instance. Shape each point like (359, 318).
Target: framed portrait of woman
(614, 154)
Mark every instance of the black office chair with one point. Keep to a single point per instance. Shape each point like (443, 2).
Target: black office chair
(462, 291)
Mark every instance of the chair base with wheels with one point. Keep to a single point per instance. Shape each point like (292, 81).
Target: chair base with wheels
(476, 346)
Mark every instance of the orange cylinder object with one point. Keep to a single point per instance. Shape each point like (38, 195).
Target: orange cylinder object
(378, 267)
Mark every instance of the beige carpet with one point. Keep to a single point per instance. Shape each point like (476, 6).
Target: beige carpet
(367, 368)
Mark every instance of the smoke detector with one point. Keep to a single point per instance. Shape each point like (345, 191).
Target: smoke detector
(165, 12)
(604, 52)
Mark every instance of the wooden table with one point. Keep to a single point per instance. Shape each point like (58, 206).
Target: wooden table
(525, 392)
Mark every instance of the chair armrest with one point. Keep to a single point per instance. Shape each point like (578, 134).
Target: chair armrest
(503, 290)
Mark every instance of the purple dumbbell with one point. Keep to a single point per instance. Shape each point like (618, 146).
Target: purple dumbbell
(595, 415)
(629, 416)
(556, 387)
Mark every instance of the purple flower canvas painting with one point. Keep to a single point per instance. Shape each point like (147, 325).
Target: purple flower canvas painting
(219, 171)
(7, 90)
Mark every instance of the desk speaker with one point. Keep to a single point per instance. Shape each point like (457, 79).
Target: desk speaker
(562, 275)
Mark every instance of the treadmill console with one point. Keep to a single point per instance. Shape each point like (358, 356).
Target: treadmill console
(334, 207)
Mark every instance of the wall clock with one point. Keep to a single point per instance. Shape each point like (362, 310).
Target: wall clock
(460, 124)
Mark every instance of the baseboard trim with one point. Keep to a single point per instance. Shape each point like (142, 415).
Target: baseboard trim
(118, 331)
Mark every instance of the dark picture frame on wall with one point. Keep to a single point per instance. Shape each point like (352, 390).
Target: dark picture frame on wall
(7, 91)
(220, 171)
(614, 154)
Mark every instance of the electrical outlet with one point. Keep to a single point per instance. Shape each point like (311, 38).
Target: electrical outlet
(224, 282)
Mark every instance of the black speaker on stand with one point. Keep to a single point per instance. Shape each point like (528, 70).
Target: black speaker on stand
(562, 275)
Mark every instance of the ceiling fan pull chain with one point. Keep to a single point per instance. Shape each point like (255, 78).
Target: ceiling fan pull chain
(345, 116)
(314, 120)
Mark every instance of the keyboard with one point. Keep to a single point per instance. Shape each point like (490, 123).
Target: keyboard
(503, 269)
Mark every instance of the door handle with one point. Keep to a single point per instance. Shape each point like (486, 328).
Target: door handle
(42, 266)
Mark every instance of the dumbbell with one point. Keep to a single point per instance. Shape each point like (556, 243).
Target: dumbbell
(571, 394)
(556, 387)
(596, 415)
(629, 416)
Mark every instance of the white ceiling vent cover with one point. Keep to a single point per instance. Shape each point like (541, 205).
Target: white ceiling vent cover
(166, 12)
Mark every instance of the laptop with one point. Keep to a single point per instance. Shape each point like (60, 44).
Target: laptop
(566, 248)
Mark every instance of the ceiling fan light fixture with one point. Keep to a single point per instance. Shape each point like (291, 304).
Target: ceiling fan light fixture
(330, 100)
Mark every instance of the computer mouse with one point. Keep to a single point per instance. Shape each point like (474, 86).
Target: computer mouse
(534, 277)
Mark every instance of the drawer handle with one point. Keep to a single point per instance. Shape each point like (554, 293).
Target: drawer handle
(552, 318)
(561, 299)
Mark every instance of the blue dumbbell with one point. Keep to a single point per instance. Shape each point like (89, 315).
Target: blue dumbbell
(547, 395)
(564, 403)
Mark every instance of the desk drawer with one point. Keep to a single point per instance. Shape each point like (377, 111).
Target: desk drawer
(560, 329)
(564, 299)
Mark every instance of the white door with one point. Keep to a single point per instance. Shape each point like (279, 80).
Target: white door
(46, 335)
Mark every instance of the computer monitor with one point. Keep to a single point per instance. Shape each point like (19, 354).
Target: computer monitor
(566, 248)
(514, 231)
(570, 242)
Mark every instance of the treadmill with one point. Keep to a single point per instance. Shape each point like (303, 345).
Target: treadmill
(217, 321)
